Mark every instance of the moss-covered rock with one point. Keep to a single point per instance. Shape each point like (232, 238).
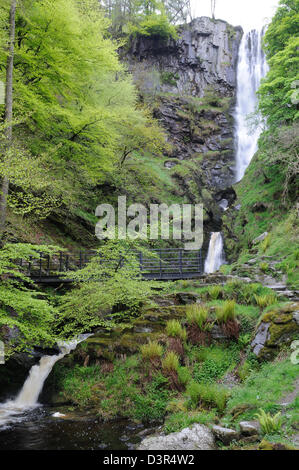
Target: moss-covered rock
(277, 328)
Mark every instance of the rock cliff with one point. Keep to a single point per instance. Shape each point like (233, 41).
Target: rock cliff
(191, 85)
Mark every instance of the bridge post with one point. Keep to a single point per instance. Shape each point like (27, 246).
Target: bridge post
(160, 264)
(181, 261)
(141, 261)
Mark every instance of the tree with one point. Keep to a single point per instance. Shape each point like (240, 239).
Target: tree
(24, 309)
(278, 101)
(8, 112)
(111, 282)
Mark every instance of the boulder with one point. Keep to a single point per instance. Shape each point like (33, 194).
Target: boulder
(197, 437)
(225, 435)
(249, 428)
(278, 327)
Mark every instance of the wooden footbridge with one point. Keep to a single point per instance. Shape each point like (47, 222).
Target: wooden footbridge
(170, 264)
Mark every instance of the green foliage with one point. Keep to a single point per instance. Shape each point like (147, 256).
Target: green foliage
(214, 363)
(197, 314)
(226, 312)
(151, 405)
(263, 388)
(264, 301)
(155, 25)
(208, 394)
(184, 375)
(214, 292)
(76, 118)
(23, 307)
(171, 362)
(112, 279)
(175, 330)
(269, 424)
(281, 43)
(152, 350)
(181, 420)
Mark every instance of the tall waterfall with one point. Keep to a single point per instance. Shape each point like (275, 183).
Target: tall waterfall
(215, 257)
(28, 396)
(252, 67)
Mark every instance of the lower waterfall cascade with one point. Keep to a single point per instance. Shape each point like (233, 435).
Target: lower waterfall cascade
(215, 257)
(28, 395)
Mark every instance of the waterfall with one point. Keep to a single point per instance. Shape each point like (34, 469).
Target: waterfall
(252, 67)
(215, 257)
(28, 396)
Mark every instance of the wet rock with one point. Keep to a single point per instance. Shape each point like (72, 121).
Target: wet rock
(249, 428)
(225, 435)
(197, 437)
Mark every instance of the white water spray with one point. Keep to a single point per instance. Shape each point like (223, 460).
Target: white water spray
(28, 396)
(252, 67)
(215, 257)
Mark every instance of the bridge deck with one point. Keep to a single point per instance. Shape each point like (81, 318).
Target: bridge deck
(168, 264)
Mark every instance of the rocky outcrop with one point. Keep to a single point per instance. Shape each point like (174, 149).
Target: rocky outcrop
(197, 437)
(277, 328)
(205, 55)
(191, 85)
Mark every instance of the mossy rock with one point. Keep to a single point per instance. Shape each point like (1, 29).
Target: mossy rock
(277, 328)
(266, 445)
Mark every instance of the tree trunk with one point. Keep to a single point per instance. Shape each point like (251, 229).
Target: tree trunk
(8, 112)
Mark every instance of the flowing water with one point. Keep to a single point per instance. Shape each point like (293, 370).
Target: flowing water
(252, 67)
(215, 257)
(27, 399)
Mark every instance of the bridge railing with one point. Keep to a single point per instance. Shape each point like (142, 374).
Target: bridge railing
(162, 263)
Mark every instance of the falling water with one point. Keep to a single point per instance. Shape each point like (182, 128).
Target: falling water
(215, 257)
(252, 67)
(28, 396)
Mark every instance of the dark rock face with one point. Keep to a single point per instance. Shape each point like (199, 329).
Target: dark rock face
(191, 85)
(205, 55)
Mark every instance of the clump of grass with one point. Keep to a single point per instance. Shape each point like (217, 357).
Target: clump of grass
(197, 314)
(266, 300)
(269, 424)
(184, 375)
(171, 362)
(226, 312)
(151, 351)
(264, 267)
(265, 244)
(175, 330)
(214, 292)
(211, 395)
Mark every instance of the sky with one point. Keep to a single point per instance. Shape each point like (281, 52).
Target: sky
(247, 13)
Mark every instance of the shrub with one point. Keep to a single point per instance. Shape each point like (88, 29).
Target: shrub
(214, 292)
(171, 362)
(152, 350)
(211, 395)
(184, 375)
(175, 330)
(265, 243)
(269, 424)
(244, 371)
(226, 312)
(264, 267)
(266, 300)
(197, 314)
